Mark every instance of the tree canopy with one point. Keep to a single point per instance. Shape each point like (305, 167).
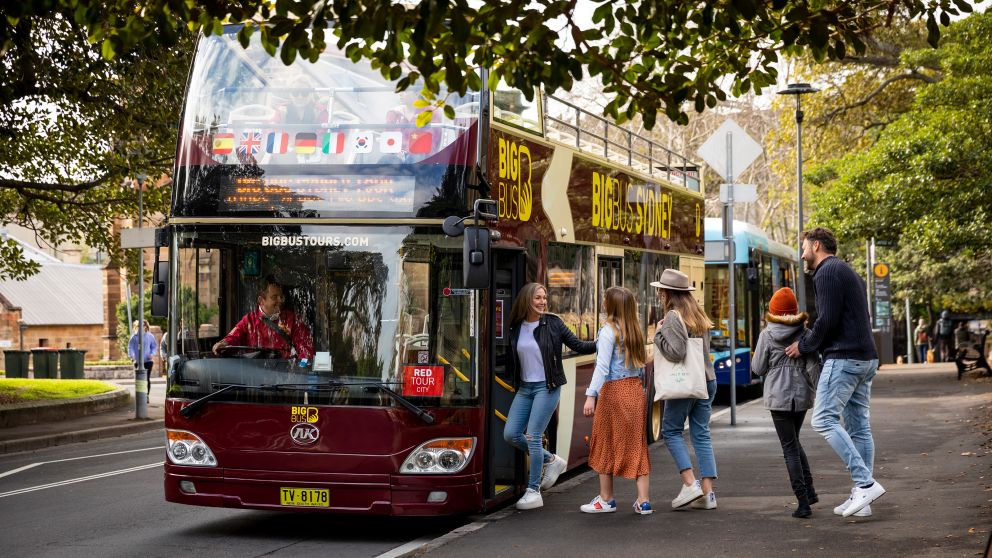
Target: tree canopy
(927, 180)
(90, 90)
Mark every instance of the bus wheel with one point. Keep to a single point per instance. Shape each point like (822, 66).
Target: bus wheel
(655, 412)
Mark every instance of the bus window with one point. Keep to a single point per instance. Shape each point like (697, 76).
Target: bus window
(640, 269)
(375, 302)
(510, 107)
(572, 287)
(610, 275)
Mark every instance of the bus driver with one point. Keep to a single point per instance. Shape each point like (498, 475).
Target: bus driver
(269, 326)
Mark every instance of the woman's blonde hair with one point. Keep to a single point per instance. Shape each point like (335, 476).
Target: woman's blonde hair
(696, 321)
(620, 307)
(521, 306)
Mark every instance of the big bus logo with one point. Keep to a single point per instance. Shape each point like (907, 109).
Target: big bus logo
(304, 434)
(513, 189)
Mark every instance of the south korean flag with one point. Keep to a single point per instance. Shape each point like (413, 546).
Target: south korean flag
(362, 142)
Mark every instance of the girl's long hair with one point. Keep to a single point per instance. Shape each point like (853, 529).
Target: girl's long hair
(685, 304)
(621, 313)
(521, 306)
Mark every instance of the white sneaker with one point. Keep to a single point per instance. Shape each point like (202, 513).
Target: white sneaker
(530, 500)
(865, 511)
(707, 502)
(552, 470)
(598, 505)
(687, 495)
(861, 497)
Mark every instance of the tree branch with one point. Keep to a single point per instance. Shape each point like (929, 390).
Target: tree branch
(878, 90)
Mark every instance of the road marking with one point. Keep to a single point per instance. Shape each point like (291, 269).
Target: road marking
(33, 465)
(80, 479)
(403, 550)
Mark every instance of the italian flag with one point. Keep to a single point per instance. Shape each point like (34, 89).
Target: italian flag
(333, 143)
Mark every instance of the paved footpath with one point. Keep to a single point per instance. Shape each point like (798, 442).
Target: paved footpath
(933, 443)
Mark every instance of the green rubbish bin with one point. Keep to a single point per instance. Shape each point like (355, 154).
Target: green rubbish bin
(15, 363)
(71, 364)
(46, 362)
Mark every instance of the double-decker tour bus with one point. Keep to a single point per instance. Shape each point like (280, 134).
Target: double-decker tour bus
(762, 266)
(393, 397)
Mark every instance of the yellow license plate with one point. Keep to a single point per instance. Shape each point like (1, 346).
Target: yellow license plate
(306, 497)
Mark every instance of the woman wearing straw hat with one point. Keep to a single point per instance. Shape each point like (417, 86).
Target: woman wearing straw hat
(670, 338)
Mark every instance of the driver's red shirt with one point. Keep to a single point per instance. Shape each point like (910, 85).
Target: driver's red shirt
(252, 331)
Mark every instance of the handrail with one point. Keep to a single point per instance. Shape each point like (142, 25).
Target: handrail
(636, 151)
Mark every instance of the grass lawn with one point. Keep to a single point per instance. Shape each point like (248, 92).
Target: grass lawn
(20, 390)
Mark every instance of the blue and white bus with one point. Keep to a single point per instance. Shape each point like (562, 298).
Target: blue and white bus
(762, 267)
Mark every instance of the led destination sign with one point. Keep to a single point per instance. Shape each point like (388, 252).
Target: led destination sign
(338, 194)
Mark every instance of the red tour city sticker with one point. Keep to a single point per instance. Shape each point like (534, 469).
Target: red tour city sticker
(423, 381)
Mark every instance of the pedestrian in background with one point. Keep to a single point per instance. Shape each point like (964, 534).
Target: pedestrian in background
(945, 336)
(615, 399)
(922, 336)
(536, 337)
(842, 334)
(148, 350)
(788, 390)
(670, 338)
(962, 338)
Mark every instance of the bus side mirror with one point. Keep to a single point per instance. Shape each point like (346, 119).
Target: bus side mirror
(476, 256)
(160, 288)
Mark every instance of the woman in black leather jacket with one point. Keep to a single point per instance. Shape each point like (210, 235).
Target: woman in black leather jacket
(536, 338)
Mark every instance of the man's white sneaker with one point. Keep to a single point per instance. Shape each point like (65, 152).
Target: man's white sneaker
(530, 500)
(552, 470)
(687, 495)
(862, 497)
(707, 502)
(598, 505)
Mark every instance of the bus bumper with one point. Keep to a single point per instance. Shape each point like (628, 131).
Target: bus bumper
(427, 495)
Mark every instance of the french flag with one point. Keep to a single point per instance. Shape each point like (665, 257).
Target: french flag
(276, 142)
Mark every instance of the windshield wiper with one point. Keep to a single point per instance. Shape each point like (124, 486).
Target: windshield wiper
(403, 401)
(192, 408)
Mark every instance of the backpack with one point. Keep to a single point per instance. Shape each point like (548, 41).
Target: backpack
(922, 338)
(946, 327)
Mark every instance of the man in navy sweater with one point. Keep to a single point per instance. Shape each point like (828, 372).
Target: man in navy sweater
(842, 334)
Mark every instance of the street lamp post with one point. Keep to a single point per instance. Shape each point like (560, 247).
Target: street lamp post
(799, 89)
(141, 378)
(22, 327)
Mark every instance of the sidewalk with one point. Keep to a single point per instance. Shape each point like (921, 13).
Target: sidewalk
(931, 455)
(110, 424)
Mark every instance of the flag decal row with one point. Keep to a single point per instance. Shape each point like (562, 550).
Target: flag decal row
(254, 142)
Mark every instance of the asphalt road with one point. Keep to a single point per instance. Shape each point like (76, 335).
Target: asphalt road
(105, 498)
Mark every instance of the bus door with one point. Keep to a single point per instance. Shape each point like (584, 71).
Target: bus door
(505, 465)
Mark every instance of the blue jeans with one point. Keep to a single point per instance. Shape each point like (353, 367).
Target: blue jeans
(698, 412)
(532, 408)
(922, 351)
(845, 391)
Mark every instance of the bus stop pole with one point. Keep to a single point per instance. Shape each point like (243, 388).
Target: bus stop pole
(140, 373)
(732, 318)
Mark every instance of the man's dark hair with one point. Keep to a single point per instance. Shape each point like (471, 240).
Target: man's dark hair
(263, 285)
(824, 236)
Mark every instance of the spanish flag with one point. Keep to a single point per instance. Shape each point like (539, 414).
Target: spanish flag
(306, 143)
(223, 144)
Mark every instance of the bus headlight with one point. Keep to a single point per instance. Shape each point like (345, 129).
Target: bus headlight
(439, 456)
(186, 448)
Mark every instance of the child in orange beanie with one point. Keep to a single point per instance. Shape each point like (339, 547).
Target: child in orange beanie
(788, 389)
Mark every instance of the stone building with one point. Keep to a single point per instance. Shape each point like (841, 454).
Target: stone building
(61, 306)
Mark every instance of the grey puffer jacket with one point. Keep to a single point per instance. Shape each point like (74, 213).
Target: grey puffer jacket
(786, 386)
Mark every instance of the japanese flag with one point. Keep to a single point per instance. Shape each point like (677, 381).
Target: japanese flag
(362, 142)
(390, 142)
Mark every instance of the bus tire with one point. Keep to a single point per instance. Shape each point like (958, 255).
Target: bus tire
(652, 420)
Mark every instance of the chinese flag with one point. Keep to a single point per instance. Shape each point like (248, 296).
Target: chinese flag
(421, 142)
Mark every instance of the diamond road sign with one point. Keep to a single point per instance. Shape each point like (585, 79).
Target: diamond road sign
(744, 150)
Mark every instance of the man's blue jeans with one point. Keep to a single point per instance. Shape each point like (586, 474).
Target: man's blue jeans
(845, 391)
(532, 408)
(698, 412)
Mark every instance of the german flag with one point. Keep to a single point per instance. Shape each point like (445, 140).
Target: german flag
(306, 143)
(223, 144)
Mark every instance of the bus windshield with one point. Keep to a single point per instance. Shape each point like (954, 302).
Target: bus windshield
(331, 137)
(358, 306)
